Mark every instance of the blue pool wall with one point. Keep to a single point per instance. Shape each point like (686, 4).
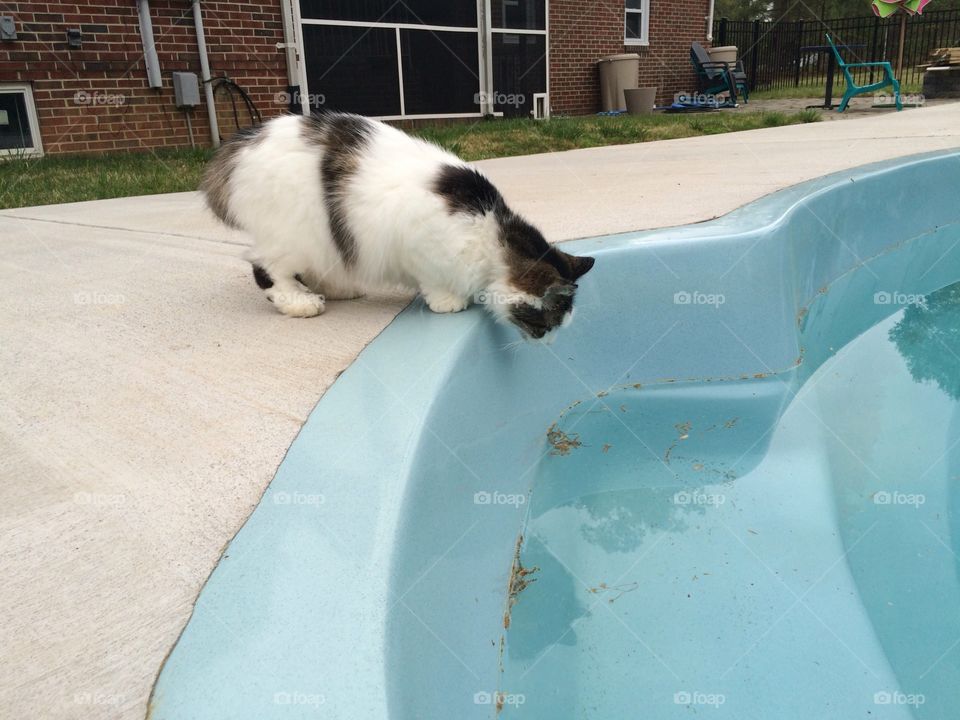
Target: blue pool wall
(437, 410)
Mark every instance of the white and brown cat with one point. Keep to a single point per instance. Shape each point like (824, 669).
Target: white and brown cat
(339, 204)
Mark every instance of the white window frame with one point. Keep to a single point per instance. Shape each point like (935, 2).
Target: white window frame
(397, 27)
(644, 12)
(483, 30)
(514, 31)
(26, 90)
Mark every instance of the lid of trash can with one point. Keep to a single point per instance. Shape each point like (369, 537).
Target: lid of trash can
(624, 56)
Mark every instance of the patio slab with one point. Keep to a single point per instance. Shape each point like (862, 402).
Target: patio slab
(150, 391)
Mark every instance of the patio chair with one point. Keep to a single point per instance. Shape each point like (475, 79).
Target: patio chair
(714, 77)
(853, 89)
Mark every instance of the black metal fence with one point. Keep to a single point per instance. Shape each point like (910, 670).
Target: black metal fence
(781, 54)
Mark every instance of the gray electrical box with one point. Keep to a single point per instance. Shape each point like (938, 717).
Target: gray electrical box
(8, 28)
(186, 89)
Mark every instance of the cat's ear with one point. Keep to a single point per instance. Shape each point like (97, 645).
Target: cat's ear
(580, 265)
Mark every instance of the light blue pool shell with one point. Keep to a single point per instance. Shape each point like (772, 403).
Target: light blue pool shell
(370, 581)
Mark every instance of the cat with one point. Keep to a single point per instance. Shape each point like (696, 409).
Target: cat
(339, 204)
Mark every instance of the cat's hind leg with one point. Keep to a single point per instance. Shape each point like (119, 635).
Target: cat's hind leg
(287, 293)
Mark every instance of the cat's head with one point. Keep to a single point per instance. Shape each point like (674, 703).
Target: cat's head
(539, 285)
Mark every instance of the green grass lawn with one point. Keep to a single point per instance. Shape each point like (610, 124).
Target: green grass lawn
(59, 179)
(817, 90)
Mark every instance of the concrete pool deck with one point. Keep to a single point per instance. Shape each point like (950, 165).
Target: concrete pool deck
(151, 392)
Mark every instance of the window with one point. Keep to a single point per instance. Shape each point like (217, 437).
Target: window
(392, 59)
(518, 56)
(19, 131)
(637, 23)
(423, 58)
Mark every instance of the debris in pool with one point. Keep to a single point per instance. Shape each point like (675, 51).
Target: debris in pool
(801, 314)
(621, 590)
(684, 429)
(623, 408)
(518, 581)
(698, 466)
(731, 422)
(562, 443)
(606, 447)
(602, 394)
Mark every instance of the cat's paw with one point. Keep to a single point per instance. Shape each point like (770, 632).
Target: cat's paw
(297, 304)
(443, 302)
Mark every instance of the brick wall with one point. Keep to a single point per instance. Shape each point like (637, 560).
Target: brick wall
(582, 32)
(96, 99)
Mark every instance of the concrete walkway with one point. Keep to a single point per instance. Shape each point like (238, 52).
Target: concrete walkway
(149, 391)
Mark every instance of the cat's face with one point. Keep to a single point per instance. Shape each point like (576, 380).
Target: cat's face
(538, 293)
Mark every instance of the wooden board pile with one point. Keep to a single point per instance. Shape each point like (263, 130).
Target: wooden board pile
(943, 57)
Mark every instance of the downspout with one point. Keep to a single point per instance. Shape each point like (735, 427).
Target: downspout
(710, 22)
(289, 46)
(150, 59)
(205, 74)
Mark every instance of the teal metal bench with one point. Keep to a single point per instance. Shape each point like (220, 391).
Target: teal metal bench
(853, 89)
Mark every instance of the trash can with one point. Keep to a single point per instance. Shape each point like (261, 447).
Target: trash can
(617, 73)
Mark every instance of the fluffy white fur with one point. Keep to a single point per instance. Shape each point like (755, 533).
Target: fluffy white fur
(339, 204)
(404, 233)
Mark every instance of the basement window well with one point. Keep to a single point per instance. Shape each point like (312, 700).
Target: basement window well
(19, 130)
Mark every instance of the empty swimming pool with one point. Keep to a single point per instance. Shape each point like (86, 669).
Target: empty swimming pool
(728, 488)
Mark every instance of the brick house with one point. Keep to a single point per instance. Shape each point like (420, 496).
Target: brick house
(100, 75)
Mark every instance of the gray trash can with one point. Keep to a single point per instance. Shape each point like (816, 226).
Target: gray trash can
(617, 73)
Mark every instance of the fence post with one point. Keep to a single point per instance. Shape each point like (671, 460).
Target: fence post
(722, 33)
(796, 74)
(873, 45)
(753, 54)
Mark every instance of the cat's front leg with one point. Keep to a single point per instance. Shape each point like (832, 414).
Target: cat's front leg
(288, 294)
(444, 301)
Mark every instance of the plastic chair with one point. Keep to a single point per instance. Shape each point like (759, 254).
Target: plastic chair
(853, 89)
(715, 77)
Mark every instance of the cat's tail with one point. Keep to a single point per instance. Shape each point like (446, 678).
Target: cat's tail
(215, 185)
